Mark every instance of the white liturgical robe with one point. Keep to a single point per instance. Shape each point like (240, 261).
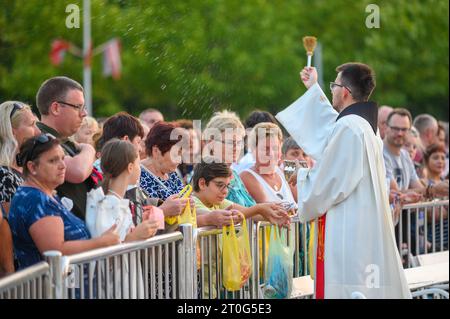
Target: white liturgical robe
(348, 184)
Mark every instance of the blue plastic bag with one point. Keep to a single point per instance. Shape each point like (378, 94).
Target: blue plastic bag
(279, 269)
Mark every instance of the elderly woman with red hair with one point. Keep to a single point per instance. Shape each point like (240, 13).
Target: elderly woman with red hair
(158, 176)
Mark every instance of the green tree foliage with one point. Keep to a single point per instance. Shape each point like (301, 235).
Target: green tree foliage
(190, 58)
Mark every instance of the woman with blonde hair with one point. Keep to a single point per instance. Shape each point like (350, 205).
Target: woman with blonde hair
(264, 180)
(17, 124)
(224, 135)
(412, 145)
(89, 127)
(227, 147)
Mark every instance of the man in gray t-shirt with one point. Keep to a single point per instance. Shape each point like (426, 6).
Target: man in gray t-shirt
(400, 168)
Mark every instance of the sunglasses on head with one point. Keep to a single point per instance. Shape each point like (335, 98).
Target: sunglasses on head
(22, 159)
(16, 107)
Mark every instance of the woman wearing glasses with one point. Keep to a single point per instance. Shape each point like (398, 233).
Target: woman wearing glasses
(227, 149)
(17, 123)
(39, 221)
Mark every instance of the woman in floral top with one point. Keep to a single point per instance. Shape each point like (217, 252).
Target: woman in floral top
(158, 176)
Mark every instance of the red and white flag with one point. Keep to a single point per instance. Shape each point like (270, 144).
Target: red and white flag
(111, 59)
(59, 48)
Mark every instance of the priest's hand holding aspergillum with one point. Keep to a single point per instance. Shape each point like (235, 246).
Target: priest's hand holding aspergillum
(308, 76)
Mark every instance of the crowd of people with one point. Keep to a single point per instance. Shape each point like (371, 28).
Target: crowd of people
(416, 160)
(50, 163)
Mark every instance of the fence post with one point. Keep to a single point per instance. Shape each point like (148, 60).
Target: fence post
(187, 263)
(53, 258)
(254, 242)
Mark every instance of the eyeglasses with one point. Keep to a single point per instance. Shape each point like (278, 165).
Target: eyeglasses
(22, 159)
(16, 107)
(399, 129)
(80, 108)
(333, 84)
(222, 186)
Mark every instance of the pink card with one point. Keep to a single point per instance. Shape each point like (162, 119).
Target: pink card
(156, 214)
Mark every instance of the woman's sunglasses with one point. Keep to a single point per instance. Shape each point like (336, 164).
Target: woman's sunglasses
(16, 107)
(21, 159)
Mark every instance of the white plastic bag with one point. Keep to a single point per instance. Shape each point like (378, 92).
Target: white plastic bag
(101, 213)
(104, 211)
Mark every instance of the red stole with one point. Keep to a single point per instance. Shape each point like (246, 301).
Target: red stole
(320, 258)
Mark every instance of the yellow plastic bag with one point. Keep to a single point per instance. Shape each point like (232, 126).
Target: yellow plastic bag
(265, 237)
(189, 215)
(237, 259)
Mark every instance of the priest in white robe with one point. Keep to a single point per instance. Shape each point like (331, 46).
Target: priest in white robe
(346, 192)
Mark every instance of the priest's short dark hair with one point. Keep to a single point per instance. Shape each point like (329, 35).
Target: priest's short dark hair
(360, 78)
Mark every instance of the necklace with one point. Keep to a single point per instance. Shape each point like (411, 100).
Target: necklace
(272, 181)
(114, 193)
(269, 179)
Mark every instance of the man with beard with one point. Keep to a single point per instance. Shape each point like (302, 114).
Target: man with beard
(346, 191)
(399, 165)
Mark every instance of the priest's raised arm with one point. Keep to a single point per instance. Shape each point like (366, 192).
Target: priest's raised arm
(310, 121)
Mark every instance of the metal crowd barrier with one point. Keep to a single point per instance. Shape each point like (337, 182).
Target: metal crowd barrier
(422, 229)
(208, 270)
(140, 270)
(187, 264)
(209, 260)
(301, 250)
(433, 292)
(30, 283)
